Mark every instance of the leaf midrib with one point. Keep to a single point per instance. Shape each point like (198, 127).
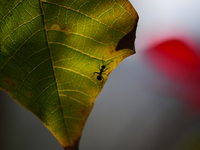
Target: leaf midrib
(45, 28)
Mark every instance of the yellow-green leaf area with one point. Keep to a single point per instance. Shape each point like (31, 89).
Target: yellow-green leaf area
(52, 54)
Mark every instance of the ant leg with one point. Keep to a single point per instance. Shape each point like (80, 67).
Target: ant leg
(97, 72)
(109, 62)
(94, 73)
(105, 73)
(106, 69)
(102, 61)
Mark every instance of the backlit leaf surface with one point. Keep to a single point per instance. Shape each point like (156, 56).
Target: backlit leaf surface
(50, 51)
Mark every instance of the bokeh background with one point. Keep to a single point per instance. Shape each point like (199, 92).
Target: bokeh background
(151, 101)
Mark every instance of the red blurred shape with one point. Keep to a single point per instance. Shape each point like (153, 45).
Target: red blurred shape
(181, 63)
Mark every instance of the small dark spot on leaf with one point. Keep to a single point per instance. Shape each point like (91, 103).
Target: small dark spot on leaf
(31, 94)
(124, 56)
(83, 112)
(6, 81)
(64, 28)
(13, 85)
(111, 51)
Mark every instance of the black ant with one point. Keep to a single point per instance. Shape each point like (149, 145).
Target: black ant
(102, 70)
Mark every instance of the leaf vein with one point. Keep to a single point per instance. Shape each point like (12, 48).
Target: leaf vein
(67, 90)
(20, 48)
(11, 10)
(63, 95)
(74, 49)
(17, 28)
(32, 71)
(85, 15)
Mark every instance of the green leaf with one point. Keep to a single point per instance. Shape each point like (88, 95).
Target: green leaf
(52, 53)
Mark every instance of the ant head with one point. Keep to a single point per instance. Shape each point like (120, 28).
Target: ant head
(103, 66)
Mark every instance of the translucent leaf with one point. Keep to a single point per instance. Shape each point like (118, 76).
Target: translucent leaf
(55, 56)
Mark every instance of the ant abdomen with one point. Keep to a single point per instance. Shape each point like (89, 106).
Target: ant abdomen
(99, 77)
